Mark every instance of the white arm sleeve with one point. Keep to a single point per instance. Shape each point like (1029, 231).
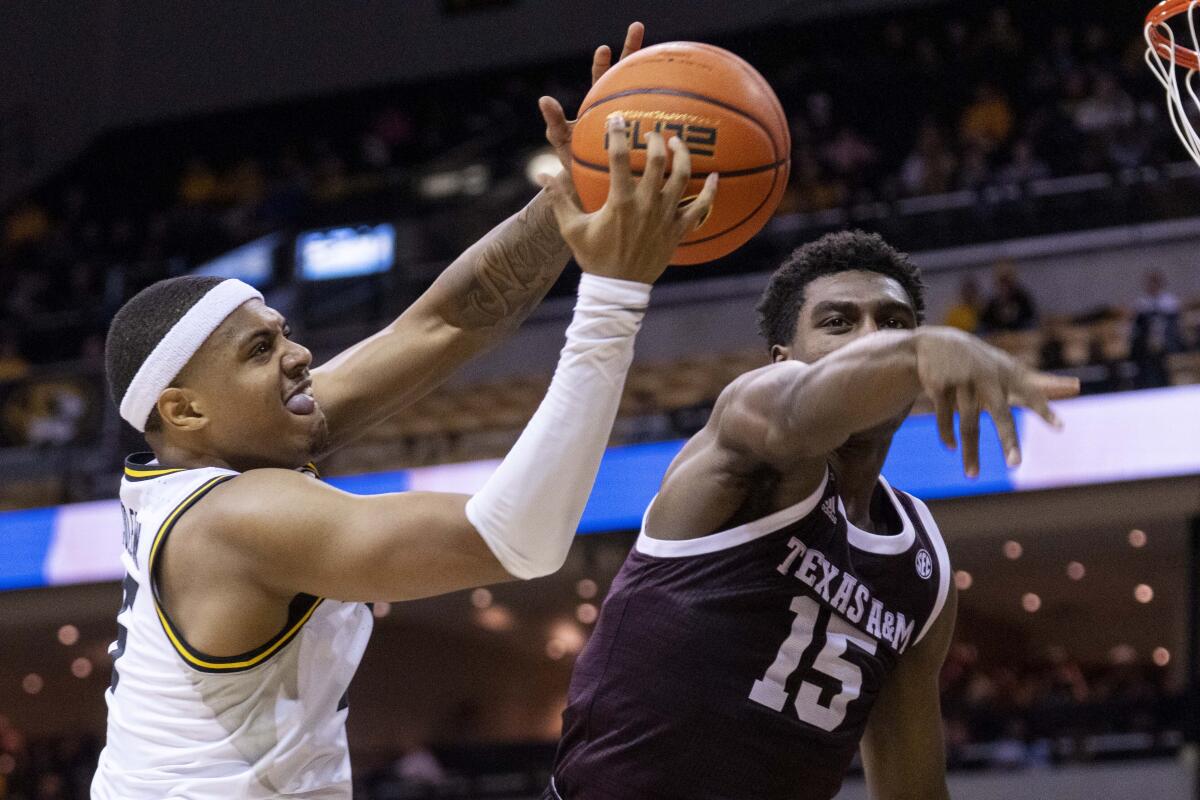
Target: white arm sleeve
(529, 509)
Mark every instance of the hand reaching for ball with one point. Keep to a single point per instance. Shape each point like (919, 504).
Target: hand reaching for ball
(558, 127)
(633, 235)
(720, 108)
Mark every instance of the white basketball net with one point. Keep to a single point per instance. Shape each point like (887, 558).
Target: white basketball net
(1165, 70)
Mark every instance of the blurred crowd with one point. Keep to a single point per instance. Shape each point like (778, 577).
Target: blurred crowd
(997, 715)
(982, 102)
(56, 768)
(1055, 710)
(1015, 95)
(917, 104)
(60, 416)
(1131, 345)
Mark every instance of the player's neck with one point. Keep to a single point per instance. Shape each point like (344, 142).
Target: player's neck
(171, 454)
(857, 465)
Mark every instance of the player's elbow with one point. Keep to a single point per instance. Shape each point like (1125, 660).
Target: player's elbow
(529, 542)
(526, 566)
(527, 558)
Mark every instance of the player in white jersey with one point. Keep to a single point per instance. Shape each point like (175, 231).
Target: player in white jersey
(269, 721)
(243, 617)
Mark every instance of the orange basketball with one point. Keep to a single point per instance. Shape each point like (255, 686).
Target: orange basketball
(722, 109)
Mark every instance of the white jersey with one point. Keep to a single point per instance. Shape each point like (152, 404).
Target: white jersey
(182, 724)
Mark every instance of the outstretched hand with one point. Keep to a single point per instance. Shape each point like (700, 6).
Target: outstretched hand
(558, 127)
(962, 373)
(633, 235)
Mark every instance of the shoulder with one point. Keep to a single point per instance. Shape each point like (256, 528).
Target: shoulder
(259, 488)
(245, 507)
(752, 398)
(262, 527)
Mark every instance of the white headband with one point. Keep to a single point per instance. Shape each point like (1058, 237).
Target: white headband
(176, 349)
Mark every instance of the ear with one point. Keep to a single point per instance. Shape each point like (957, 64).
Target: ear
(180, 410)
(779, 353)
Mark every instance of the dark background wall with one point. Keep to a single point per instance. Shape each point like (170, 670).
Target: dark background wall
(69, 70)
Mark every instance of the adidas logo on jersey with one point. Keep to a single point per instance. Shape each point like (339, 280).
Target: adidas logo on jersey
(830, 509)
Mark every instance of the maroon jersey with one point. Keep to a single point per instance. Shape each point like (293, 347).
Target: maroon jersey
(744, 664)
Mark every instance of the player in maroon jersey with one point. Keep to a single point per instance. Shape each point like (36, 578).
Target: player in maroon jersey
(783, 603)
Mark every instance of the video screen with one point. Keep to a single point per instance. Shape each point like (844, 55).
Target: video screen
(345, 252)
(253, 262)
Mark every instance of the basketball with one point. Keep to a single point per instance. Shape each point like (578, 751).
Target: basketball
(722, 109)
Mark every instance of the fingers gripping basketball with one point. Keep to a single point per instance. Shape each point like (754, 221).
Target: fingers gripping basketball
(720, 109)
(641, 221)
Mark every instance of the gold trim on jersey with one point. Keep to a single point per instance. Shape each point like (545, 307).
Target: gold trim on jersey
(142, 474)
(298, 614)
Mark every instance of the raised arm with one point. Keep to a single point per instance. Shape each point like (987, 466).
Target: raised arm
(297, 536)
(481, 298)
(903, 750)
(477, 302)
(789, 412)
(319, 540)
(789, 416)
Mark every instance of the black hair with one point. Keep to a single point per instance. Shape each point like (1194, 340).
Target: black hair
(843, 251)
(142, 323)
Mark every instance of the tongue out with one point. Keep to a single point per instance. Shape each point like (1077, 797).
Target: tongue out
(301, 404)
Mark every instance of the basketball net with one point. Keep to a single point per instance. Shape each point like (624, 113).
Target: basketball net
(1167, 60)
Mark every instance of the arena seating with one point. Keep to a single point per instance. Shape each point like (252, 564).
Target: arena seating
(1023, 122)
(483, 420)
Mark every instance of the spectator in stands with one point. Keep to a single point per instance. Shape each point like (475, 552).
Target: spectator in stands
(330, 181)
(988, 121)
(1024, 165)
(373, 152)
(849, 155)
(13, 365)
(27, 225)
(1052, 352)
(975, 171)
(1010, 751)
(244, 184)
(51, 786)
(811, 190)
(198, 186)
(929, 168)
(28, 296)
(964, 314)
(1011, 307)
(1129, 146)
(394, 128)
(1107, 107)
(52, 412)
(419, 767)
(1156, 332)
(1001, 38)
(1073, 109)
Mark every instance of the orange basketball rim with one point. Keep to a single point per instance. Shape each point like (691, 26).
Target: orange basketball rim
(1175, 66)
(1158, 34)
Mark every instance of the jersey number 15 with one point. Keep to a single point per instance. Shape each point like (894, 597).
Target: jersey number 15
(771, 690)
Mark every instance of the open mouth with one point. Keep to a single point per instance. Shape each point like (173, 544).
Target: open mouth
(300, 401)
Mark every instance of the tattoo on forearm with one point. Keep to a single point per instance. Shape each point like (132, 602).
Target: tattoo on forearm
(514, 268)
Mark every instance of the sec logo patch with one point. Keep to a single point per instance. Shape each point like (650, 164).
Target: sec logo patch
(924, 564)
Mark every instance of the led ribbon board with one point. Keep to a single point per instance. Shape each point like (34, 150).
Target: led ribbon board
(1108, 438)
